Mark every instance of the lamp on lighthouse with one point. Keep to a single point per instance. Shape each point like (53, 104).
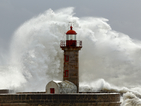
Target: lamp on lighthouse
(71, 37)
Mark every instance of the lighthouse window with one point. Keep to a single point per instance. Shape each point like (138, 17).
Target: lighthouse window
(66, 73)
(71, 37)
(66, 58)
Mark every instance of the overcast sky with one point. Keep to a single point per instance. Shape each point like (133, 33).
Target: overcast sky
(124, 15)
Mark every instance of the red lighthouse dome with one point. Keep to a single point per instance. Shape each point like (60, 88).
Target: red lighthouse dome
(70, 32)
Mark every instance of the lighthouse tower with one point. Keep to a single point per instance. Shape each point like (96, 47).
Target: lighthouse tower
(71, 48)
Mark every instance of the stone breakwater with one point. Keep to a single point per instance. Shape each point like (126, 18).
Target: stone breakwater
(79, 99)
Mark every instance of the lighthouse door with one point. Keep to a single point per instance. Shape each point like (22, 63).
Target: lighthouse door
(52, 90)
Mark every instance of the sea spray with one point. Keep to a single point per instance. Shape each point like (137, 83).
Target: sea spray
(129, 99)
(36, 57)
(105, 54)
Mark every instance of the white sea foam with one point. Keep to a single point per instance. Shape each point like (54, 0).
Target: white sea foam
(108, 59)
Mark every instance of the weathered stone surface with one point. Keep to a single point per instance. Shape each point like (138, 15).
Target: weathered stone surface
(61, 104)
(92, 99)
(72, 65)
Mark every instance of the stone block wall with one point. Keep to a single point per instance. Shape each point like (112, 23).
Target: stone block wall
(93, 99)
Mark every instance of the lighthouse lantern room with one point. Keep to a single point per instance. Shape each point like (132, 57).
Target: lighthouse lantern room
(71, 48)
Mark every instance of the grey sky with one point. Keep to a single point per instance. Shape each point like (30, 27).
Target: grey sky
(124, 15)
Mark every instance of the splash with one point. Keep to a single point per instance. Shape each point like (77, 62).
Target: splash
(36, 57)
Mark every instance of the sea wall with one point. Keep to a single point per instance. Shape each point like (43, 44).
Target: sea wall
(92, 99)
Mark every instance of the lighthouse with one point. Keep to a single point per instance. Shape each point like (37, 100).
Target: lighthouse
(71, 47)
(70, 83)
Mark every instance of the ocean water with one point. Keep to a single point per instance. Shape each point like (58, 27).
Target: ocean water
(109, 60)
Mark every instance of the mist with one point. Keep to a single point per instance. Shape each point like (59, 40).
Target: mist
(108, 59)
